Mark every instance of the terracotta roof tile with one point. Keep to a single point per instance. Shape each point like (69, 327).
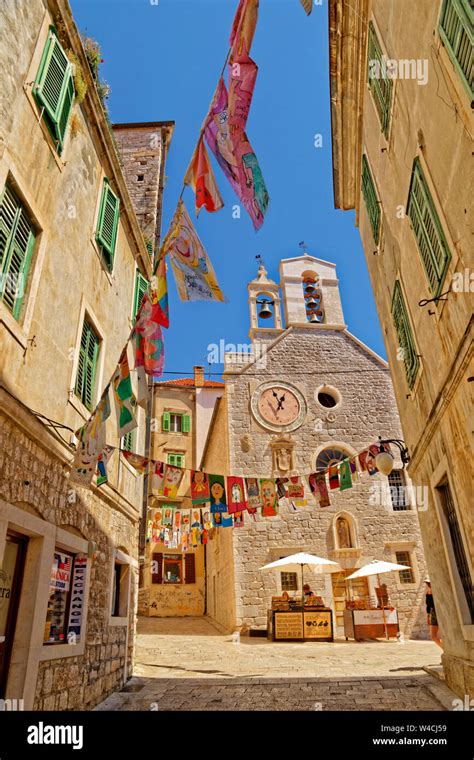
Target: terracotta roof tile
(188, 382)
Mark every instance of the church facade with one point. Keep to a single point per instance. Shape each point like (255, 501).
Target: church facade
(334, 397)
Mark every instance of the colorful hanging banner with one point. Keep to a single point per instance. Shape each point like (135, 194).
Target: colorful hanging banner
(295, 488)
(200, 492)
(236, 494)
(269, 497)
(157, 477)
(168, 515)
(138, 462)
(236, 157)
(345, 477)
(125, 401)
(148, 338)
(218, 494)
(171, 481)
(282, 493)
(158, 292)
(242, 78)
(102, 462)
(243, 28)
(238, 519)
(333, 477)
(193, 271)
(196, 520)
(317, 484)
(202, 180)
(307, 5)
(254, 498)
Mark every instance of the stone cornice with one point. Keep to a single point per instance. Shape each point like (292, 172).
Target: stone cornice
(347, 45)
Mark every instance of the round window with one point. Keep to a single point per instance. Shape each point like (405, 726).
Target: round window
(326, 399)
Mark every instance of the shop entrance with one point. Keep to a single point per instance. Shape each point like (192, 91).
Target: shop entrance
(11, 574)
(358, 589)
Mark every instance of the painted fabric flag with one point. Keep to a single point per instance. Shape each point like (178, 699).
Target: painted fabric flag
(281, 487)
(185, 520)
(269, 497)
(216, 519)
(102, 463)
(91, 443)
(254, 498)
(157, 477)
(167, 516)
(125, 401)
(227, 521)
(207, 519)
(141, 387)
(236, 157)
(200, 492)
(236, 494)
(171, 481)
(353, 466)
(177, 519)
(242, 77)
(202, 180)
(333, 477)
(238, 519)
(295, 488)
(319, 489)
(139, 463)
(83, 466)
(345, 477)
(243, 27)
(196, 518)
(307, 5)
(218, 494)
(158, 293)
(193, 271)
(363, 460)
(148, 339)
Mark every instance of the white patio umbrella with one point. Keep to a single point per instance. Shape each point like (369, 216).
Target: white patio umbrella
(378, 567)
(299, 560)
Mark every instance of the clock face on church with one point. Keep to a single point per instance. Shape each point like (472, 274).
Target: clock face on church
(278, 406)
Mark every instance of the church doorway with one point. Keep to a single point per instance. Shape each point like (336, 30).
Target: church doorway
(11, 574)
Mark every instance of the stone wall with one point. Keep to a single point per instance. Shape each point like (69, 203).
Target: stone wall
(308, 358)
(36, 481)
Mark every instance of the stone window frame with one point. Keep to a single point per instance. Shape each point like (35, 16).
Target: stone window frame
(345, 447)
(441, 474)
(353, 528)
(120, 557)
(332, 391)
(404, 546)
(20, 329)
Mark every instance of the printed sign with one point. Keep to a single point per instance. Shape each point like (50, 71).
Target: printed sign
(375, 617)
(288, 625)
(76, 610)
(317, 625)
(61, 572)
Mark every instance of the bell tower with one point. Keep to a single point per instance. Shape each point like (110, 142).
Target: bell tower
(265, 308)
(310, 291)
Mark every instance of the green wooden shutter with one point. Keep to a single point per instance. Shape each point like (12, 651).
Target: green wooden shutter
(427, 229)
(175, 460)
(107, 226)
(87, 365)
(185, 423)
(128, 441)
(370, 197)
(381, 86)
(54, 88)
(165, 422)
(141, 287)
(17, 240)
(456, 26)
(171, 459)
(405, 335)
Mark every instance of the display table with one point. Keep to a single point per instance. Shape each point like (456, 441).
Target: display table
(369, 624)
(312, 624)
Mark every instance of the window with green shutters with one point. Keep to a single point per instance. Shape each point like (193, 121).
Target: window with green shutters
(427, 229)
(175, 422)
(128, 441)
(456, 26)
(87, 365)
(141, 287)
(405, 335)
(54, 89)
(380, 84)
(371, 201)
(107, 225)
(176, 460)
(17, 240)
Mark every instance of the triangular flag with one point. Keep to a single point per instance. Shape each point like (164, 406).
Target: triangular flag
(125, 401)
(345, 477)
(201, 178)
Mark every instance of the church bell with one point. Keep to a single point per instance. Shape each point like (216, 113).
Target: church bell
(265, 312)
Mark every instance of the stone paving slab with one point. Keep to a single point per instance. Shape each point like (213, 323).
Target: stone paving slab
(190, 664)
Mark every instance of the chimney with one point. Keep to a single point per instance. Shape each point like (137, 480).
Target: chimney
(199, 377)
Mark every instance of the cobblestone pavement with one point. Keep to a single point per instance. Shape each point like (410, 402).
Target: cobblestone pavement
(188, 664)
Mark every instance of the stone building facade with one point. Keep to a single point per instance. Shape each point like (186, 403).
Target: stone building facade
(71, 252)
(182, 412)
(402, 142)
(345, 402)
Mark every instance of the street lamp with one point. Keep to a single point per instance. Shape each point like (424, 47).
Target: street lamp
(384, 460)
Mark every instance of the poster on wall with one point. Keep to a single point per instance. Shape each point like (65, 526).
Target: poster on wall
(61, 572)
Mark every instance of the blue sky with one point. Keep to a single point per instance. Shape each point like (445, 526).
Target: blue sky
(162, 62)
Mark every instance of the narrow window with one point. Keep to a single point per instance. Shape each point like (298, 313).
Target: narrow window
(404, 558)
(380, 84)
(54, 89)
(405, 335)
(457, 545)
(371, 200)
(17, 240)
(455, 29)
(398, 494)
(141, 287)
(87, 365)
(107, 225)
(289, 581)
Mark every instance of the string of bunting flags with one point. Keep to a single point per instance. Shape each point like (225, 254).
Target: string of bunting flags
(223, 130)
(220, 501)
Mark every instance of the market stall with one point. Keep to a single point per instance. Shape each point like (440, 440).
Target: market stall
(304, 619)
(364, 619)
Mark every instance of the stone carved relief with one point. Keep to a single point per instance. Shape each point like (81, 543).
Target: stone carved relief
(282, 456)
(246, 444)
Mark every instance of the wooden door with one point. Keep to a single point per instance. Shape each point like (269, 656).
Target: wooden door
(341, 590)
(11, 574)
